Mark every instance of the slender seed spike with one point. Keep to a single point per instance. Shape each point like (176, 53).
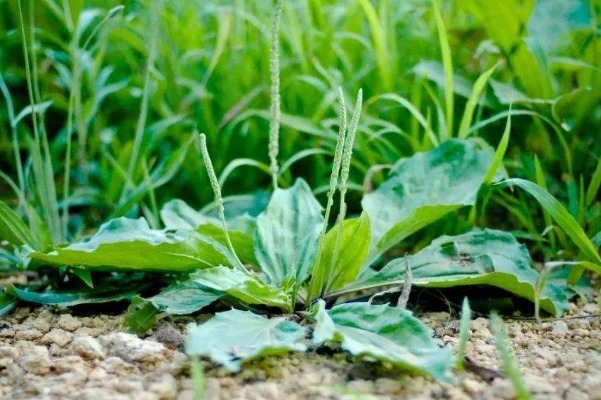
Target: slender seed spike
(218, 198)
(317, 279)
(274, 65)
(115, 11)
(344, 175)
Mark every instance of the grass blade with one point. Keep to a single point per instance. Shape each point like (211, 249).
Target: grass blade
(563, 218)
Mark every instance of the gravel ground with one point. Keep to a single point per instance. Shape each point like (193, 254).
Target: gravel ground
(51, 354)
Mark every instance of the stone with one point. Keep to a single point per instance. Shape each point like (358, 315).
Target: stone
(87, 347)
(36, 361)
(68, 322)
(60, 337)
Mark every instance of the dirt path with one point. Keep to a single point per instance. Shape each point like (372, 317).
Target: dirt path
(50, 354)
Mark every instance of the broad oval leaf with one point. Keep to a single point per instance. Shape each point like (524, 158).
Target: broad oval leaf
(424, 188)
(242, 286)
(249, 336)
(288, 234)
(487, 257)
(129, 244)
(342, 257)
(177, 214)
(386, 333)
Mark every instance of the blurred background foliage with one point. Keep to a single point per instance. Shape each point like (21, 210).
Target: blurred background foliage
(206, 67)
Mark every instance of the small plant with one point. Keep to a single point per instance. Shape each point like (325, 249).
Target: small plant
(289, 259)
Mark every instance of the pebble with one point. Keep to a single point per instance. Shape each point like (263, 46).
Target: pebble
(559, 328)
(87, 347)
(58, 336)
(68, 323)
(132, 348)
(36, 361)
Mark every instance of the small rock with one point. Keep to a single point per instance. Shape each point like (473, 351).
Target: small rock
(165, 387)
(87, 347)
(386, 386)
(456, 394)
(132, 348)
(97, 374)
(36, 361)
(575, 394)
(41, 324)
(501, 389)
(591, 308)
(28, 334)
(58, 336)
(473, 386)
(538, 384)
(559, 328)
(8, 355)
(68, 323)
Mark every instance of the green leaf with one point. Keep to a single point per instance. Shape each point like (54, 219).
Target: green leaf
(248, 336)
(184, 297)
(246, 288)
(7, 303)
(565, 221)
(69, 298)
(487, 257)
(129, 244)
(13, 229)
(324, 329)
(288, 234)
(141, 316)
(343, 258)
(389, 334)
(177, 214)
(424, 188)
(243, 243)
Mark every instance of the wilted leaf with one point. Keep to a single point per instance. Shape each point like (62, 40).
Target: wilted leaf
(248, 336)
(487, 257)
(287, 235)
(424, 188)
(386, 333)
(130, 244)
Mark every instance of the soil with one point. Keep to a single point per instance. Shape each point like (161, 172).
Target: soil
(54, 354)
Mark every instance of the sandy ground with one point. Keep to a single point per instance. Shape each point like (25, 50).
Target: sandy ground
(52, 354)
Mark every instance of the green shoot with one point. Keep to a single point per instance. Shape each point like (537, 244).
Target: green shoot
(198, 377)
(464, 334)
(42, 165)
(447, 63)
(156, 9)
(218, 198)
(509, 363)
(564, 219)
(276, 113)
(472, 102)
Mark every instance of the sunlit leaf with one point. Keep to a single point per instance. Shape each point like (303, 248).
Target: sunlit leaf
(487, 257)
(287, 235)
(129, 244)
(248, 336)
(385, 333)
(242, 286)
(423, 188)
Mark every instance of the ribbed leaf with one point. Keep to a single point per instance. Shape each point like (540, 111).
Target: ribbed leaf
(232, 337)
(129, 244)
(287, 235)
